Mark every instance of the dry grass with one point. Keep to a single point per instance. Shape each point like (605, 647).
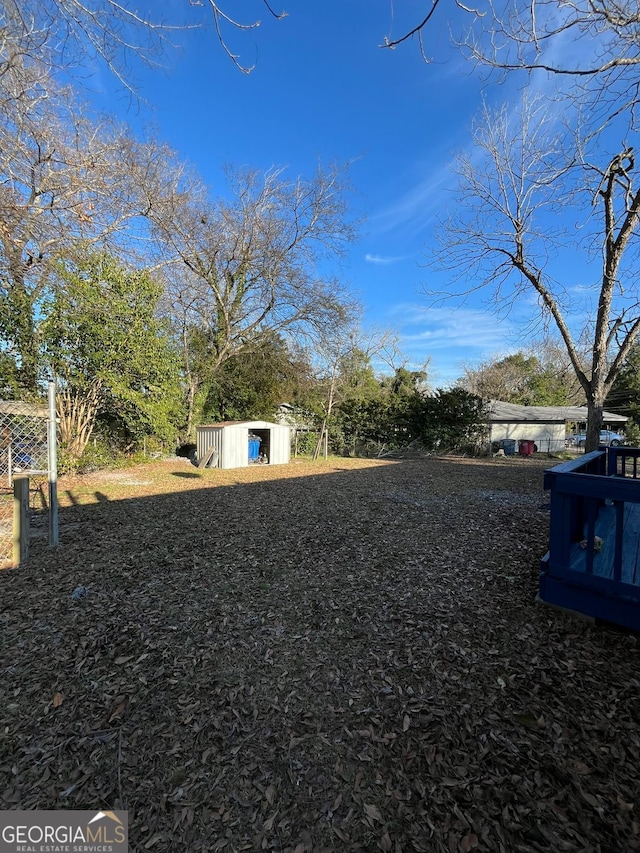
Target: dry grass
(331, 656)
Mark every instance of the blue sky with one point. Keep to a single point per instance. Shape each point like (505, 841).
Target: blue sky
(323, 90)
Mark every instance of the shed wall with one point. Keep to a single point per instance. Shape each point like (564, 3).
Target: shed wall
(231, 442)
(235, 447)
(280, 445)
(206, 438)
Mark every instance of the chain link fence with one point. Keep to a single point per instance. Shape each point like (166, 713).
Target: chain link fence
(24, 450)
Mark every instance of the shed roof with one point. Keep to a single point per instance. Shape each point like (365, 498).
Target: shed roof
(250, 424)
(511, 412)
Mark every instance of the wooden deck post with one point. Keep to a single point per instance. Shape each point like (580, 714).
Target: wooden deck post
(20, 519)
(52, 465)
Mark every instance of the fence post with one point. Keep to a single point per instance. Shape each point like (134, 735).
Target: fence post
(52, 432)
(20, 519)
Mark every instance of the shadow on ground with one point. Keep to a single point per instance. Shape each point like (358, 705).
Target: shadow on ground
(344, 661)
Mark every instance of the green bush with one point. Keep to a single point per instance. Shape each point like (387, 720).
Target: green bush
(96, 457)
(306, 443)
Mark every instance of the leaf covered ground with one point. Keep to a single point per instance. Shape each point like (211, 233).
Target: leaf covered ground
(333, 656)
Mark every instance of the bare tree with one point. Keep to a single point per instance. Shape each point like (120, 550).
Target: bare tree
(537, 377)
(593, 43)
(333, 346)
(65, 179)
(340, 352)
(417, 30)
(552, 353)
(516, 191)
(251, 265)
(603, 34)
(64, 33)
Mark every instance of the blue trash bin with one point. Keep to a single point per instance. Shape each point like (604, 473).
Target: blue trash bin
(509, 445)
(21, 456)
(254, 448)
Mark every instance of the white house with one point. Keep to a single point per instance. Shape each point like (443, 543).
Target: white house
(546, 426)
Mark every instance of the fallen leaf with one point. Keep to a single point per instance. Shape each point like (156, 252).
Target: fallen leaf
(580, 767)
(624, 806)
(57, 700)
(528, 721)
(268, 824)
(373, 812)
(117, 709)
(589, 798)
(197, 603)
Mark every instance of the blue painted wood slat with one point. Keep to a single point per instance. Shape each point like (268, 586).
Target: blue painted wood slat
(593, 563)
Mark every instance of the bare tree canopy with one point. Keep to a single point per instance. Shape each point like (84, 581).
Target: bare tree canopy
(597, 35)
(253, 261)
(594, 43)
(245, 268)
(65, 179)
(64, 33)
(539, 377)
(524, 202)
(578, 37)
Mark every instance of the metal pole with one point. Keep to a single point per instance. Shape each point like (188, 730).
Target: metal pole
(52, 431)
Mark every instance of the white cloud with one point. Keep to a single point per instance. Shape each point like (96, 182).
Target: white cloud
(382, 259)
(453, 327)
(451, 337)
(414, 209)
(430, 181)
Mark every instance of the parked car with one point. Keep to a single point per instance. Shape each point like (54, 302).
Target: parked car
(608, 437)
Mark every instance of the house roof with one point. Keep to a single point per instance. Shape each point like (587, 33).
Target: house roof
(511, 412)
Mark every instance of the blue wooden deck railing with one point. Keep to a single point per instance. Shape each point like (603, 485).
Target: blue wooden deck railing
(593, 563)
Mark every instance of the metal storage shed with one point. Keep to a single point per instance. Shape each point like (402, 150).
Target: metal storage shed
(233, 444)
(544, 425)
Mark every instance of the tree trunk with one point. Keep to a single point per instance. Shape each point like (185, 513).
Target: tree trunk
(595, 409)
(192, 393)
(319, 442)
(77, 411)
